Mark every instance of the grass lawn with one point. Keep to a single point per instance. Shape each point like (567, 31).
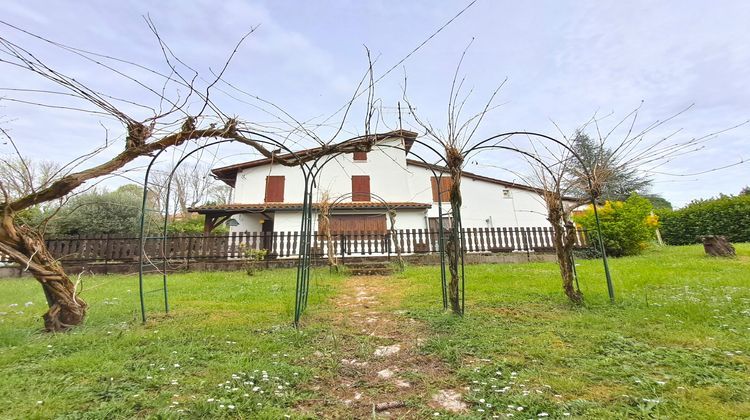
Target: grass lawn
(675, 345)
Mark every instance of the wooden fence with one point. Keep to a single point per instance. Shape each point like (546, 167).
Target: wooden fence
(192, 247)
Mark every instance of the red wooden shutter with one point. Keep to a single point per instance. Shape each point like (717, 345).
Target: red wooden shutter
(274, 189)
(445, 189)
(360, 156)
(360, 188)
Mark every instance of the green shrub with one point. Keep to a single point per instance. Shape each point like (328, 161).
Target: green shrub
(726, 215)
(193, 224)
(627, 226)
(254, 259)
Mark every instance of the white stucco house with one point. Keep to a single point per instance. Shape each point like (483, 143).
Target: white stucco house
(365, 186)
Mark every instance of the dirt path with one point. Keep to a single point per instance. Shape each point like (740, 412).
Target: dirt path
(375, 363)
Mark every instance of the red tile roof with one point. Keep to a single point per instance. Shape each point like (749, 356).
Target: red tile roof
(469, 175)
(261, 207)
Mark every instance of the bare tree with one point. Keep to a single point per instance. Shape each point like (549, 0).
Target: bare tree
(188, 116)
(22, 176)
(575, 170)
(453, 142)
(191, 185)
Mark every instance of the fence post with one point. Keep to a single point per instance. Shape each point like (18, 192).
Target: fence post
(343, 247)
(190, 251)
(526, 245)
(106, 255)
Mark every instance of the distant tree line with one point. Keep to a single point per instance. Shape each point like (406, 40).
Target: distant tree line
(100, 211)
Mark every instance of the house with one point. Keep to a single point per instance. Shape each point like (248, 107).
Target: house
(364, 187)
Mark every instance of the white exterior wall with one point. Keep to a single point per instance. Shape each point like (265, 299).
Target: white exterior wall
(385, 165)
(247, 223)
(391, 179)
(484, 200)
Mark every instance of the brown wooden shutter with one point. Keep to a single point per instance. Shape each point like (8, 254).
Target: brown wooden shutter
(274, 189)
(360, 188)
(445, 189)
(360, 156)
(357, 223)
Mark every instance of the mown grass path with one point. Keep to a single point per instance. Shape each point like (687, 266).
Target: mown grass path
(378, 366)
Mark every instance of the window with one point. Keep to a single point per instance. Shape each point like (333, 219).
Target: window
(434, 223)
(507, 194)
(274, 189)
(360, 156)
(445, 189)
(360, 188)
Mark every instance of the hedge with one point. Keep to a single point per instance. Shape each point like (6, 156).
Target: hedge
(727, 215)
(626, 225)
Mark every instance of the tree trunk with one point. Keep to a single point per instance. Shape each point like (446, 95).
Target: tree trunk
(718, 246)
(453, 247)
(27, 248)
(392, 230)
(563, 238)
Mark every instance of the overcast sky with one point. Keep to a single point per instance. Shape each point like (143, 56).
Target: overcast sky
(563, 60)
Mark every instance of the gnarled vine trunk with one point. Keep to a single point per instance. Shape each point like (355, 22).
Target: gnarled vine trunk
(27, 248)
(563, 239)
(325, 225)
(453, 247)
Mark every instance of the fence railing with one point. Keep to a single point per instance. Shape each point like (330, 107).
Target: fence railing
(193, 247)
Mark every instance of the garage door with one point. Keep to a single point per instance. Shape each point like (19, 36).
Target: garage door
(358, 223)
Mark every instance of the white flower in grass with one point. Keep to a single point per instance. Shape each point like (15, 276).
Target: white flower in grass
(176, 365)
(210, 400)
(256, 388)
(543, 415)
(27, 304)
(40, 402)
(221, 405)
(436, 414)
(230, 406)
(566, 414)
(481, 400)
